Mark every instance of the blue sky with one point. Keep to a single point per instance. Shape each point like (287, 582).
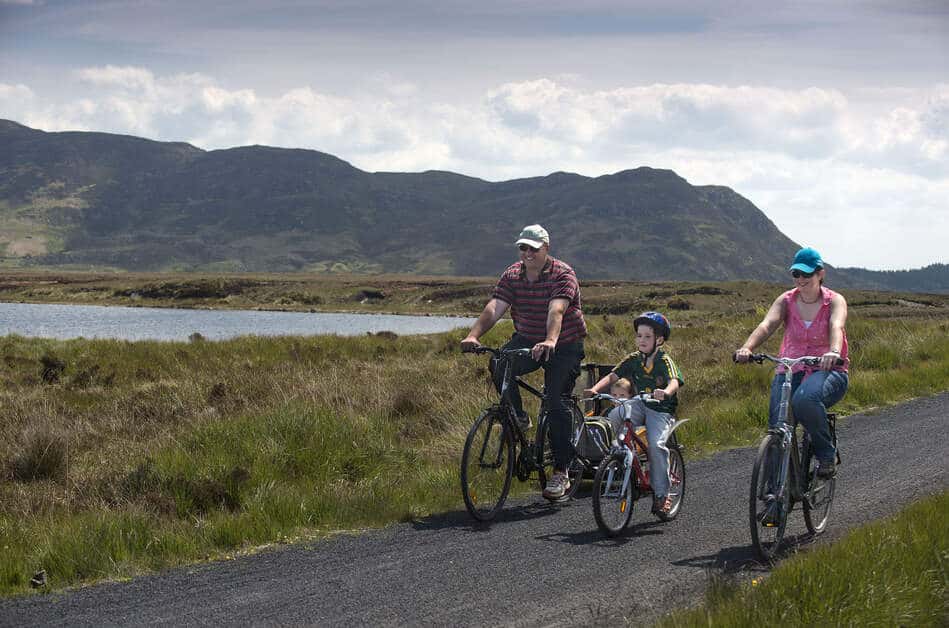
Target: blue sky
(834, 120)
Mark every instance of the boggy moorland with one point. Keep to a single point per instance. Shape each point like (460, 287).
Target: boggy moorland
(117, 458)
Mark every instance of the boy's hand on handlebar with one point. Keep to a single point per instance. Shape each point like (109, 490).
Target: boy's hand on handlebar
(588, 392)
(659, 394)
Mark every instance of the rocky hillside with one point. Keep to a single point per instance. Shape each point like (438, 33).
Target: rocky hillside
(96, 200)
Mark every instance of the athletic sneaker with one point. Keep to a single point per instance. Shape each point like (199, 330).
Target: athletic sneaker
(557, 486)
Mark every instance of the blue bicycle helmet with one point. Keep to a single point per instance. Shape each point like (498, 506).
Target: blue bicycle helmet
(655, 320)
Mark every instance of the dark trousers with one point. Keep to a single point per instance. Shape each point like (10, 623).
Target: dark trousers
(560, 375)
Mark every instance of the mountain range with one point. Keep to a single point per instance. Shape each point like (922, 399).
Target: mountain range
(98, 200)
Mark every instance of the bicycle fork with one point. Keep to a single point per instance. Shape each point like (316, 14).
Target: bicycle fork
(777, 478)
(627, 471)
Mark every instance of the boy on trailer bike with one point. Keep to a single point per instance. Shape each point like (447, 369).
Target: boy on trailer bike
(543, 295)
(651, 370)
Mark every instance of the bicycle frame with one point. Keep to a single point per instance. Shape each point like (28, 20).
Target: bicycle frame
(628, 441)
(507, 379)
(790, 464)
(786, 429)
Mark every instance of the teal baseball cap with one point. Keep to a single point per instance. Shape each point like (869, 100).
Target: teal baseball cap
(807, 260)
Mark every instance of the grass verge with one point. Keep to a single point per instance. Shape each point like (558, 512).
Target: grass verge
(888, 573)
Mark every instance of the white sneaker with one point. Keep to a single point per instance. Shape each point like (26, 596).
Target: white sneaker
(557, 486)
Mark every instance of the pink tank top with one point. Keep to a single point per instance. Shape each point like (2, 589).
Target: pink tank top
(800, 339)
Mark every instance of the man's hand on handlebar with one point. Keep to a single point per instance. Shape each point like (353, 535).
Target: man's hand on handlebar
(542, 351)
(469, 344)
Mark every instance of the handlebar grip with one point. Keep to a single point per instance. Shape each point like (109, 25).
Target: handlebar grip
(754, 357)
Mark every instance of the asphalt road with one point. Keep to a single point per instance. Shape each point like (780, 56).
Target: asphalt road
(537, 565)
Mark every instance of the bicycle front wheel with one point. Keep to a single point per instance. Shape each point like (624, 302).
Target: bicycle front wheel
(612, 506)
(487, 465)
(818, 493)
(768, 515)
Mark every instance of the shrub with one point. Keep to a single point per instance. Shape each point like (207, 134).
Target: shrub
(42, 456)
(53, 368)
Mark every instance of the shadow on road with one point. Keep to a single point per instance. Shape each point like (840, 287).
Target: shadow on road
(738, 558)
(460, 519)
(595, 535)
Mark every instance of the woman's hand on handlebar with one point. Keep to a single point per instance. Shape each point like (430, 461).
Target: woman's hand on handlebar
(829, 360)
(742, 355)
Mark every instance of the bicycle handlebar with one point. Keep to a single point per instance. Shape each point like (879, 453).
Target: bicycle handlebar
(497, 352)
(644, 397)
(807, 360)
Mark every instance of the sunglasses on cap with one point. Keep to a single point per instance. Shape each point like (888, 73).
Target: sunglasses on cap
(798, 274)
(527, 247)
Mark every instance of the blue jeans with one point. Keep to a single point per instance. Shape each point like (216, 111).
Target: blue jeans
(657, 431)
(810, 399)
(560, 375)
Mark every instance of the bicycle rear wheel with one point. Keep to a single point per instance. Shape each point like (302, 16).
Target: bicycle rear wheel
(676, 482)
(612, 506)
(818, 493)
(768, 515)
(545, 452)
(487, 465)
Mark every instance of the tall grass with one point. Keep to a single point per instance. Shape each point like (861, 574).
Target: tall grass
(888, 573)
(120, 457)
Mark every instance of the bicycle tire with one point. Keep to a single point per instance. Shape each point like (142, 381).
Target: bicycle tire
(485, 481)
(545, 454)
(818, 493)
(612, 507)
(676, 482)
(768, 519)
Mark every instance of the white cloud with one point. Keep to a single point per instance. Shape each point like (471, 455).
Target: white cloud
(848, 172)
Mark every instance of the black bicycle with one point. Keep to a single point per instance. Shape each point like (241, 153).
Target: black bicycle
(497, 448)
(785, 472)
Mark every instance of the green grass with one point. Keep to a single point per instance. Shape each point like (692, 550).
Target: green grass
(117, 458)
(888, 573)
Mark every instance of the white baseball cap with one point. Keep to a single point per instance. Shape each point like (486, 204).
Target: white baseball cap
(534, 236)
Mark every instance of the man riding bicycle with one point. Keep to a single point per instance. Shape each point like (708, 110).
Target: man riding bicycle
(543, 295)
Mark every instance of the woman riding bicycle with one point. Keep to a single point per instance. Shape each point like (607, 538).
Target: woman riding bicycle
(814, 319)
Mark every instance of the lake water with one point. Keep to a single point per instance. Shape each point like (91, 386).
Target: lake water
(147, 323)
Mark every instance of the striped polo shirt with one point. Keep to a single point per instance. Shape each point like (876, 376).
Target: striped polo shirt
(529, 300)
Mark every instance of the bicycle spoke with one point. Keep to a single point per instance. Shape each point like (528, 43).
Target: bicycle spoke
(612, 506)
(487, 465)
(818, 495)
(769, 503)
